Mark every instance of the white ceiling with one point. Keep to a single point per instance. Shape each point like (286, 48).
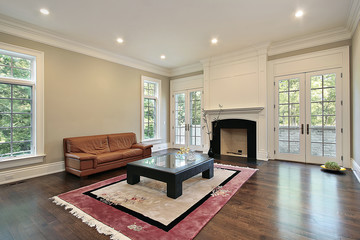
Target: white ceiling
(180, 29)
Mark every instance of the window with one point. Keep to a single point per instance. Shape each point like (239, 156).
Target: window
(150, 108)
(15, 119)
(21, 106)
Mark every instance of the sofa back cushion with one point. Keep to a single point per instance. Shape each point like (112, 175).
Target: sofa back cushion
(121, 141)
(92, 144)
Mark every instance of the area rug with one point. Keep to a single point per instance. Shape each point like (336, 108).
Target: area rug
(143, 211)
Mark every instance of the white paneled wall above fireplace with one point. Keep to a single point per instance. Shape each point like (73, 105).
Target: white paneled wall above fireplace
(238, 82)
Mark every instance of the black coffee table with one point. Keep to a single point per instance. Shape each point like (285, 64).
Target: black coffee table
(171, 169)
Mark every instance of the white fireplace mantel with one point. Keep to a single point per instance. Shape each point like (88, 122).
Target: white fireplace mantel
(235, 110)
(255, 113)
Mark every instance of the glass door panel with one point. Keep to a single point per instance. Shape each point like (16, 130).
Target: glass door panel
(180, 122)
(195, 119)
(323, 123)
(289, 129)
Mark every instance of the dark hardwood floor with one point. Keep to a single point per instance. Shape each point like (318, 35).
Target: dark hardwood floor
(283, 200)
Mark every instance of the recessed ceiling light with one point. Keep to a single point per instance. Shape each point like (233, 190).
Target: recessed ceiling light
(120, 40)
(44, 11)
(299, 13)
(214, 41)
(163, 56)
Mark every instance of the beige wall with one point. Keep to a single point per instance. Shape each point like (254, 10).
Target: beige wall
(86, 95)
(355, 96)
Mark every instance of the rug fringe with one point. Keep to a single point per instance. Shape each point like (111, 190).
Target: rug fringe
(234, 166)
(90, 221)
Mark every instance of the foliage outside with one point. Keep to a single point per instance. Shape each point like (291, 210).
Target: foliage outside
(15, 119)
(14, 67)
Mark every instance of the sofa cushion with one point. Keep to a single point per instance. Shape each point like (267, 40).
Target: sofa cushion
(109, 157)
(92, 144)
(121, 141)
(142, 146)
(121, 154)
(128, 153)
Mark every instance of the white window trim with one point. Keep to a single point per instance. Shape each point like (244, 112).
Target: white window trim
(38, 107)
(157, 138)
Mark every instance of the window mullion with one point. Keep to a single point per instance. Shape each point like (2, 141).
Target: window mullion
(11, 120)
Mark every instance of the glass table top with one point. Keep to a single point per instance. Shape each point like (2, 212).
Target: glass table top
(171, 162)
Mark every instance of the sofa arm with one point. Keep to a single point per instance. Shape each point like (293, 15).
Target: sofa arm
(142, 146)
(81, 156)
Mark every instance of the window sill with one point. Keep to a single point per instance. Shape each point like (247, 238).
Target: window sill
(152, 141)
(21, 161)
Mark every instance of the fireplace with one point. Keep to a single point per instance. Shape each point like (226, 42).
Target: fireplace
(234, 137)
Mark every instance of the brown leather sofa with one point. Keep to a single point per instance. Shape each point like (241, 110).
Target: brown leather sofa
(93, 154)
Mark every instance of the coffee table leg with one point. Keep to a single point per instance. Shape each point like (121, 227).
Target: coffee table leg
(132, 178)
(209, 173)
(174, 190)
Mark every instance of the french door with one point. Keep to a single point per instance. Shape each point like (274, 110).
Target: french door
(187, 119)
(308, 117)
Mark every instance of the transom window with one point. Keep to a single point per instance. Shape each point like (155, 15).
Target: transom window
(150, 108)
(15, 67)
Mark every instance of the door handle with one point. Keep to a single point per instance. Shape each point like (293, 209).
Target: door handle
(302, 128)
(307, 129)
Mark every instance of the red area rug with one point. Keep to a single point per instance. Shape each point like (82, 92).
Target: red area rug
(143, 211)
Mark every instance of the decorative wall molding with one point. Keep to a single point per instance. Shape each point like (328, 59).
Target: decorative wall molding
(31, 172)
(313, 40)
(196, 67)
(20, 30)
(243, 54)
(236, 110)
(354, 17)
(186, 83)
(356, 169)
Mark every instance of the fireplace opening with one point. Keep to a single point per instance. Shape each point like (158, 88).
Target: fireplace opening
(234, 137)
(233, 142)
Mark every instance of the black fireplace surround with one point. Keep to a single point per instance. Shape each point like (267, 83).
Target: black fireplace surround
(237, 124)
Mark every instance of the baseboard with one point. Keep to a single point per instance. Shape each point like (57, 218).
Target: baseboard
(160, 147)
(31, 172)
(356, 169)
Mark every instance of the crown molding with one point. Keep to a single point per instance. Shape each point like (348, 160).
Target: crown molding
(330, 36)
(196, 67)
(31, 33)
(354, 16)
